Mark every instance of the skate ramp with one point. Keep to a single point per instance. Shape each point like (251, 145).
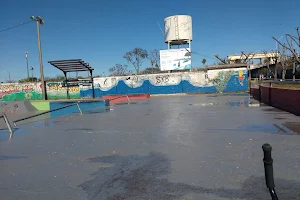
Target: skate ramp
(16, 107)
(15, 110)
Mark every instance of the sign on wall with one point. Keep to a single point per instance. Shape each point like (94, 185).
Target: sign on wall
(175, 59)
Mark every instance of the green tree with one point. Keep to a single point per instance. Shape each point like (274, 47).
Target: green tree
(203, 61)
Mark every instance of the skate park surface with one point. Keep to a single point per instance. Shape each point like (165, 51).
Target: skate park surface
(171, 147)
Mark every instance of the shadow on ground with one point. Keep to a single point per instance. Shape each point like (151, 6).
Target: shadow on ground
(142, 177)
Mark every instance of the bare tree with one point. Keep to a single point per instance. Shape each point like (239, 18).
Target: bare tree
(222, 61)
(119, 70)
(291, 41)
(154, 58)
(136, 57)
(267, 62)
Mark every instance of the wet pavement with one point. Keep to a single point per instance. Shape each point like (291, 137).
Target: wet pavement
(177, 147)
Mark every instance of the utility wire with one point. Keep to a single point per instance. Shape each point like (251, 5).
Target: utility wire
(15, 26)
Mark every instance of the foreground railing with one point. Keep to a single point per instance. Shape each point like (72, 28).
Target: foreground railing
(7, 124)
(49, 111)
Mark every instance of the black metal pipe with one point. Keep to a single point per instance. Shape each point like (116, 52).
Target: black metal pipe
(268, 165)
(49, 111)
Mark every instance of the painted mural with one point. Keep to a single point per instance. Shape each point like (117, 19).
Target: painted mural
(33, 91)
(17, 92)
(211, 81)
(57, 90)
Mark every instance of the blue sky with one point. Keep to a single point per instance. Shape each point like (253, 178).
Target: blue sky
(101, 32)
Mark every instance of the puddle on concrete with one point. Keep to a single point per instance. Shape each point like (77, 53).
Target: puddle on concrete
(230, 95)
(271, 109)
(11, 157)
(238, 103)
(40, 122)
(289, 128)
(80, 129)
(125, 103)
(280, 118)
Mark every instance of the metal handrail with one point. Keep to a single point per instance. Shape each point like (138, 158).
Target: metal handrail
(7, 124)
(15, 122)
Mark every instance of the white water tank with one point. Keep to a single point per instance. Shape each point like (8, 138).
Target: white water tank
(178, 29)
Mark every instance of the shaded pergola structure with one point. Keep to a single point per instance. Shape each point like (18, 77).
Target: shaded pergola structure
(73, 65)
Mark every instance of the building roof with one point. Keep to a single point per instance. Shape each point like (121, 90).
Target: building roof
(73, 65)
(226, 66)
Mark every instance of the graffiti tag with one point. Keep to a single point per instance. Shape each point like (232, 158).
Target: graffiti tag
(11, 88)
(8, 108)
(206, 76)
(162, 79)
(59, 87)
(15, 88)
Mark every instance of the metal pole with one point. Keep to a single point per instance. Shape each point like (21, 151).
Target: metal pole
(8, 125)
(26, 54)
(79, 109)
(38, 21)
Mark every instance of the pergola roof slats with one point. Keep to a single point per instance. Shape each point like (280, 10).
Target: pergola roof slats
(73, 65)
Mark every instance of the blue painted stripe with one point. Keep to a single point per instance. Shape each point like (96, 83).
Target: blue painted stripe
(233, 85)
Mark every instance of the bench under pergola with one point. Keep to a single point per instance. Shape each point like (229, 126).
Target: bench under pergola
(73, 65)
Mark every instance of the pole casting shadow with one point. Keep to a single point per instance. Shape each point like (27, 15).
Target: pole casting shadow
(143, 177)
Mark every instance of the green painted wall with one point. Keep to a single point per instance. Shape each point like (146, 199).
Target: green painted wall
(32, 91)
(41, 105)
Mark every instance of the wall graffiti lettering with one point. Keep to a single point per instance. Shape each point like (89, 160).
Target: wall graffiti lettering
(12, 88)
(9, 108)
(27, 88)
(206, 75)
(133, 80)
(59, 87)
(162, 79)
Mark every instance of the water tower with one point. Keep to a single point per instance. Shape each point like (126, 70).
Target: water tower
(178, 30)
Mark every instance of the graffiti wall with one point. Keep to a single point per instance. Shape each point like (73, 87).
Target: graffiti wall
(56, 90)
(212, 81)
(17, 92)
(33, 91)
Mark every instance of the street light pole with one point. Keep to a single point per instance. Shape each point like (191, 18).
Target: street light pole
(26, 54)
(31, 68)
(39, 21)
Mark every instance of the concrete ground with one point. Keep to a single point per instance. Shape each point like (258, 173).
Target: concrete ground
(162, 148)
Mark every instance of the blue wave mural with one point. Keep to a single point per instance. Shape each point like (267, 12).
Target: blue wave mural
(232, 81)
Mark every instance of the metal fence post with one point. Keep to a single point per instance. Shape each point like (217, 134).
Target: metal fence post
(79, 109)
(8, 125)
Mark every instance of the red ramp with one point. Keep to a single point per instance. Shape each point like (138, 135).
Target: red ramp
(120, 98)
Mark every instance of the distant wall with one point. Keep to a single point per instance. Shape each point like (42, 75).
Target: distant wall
(33, 91)
(17, 91)
(212, 81)
(55, 90)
